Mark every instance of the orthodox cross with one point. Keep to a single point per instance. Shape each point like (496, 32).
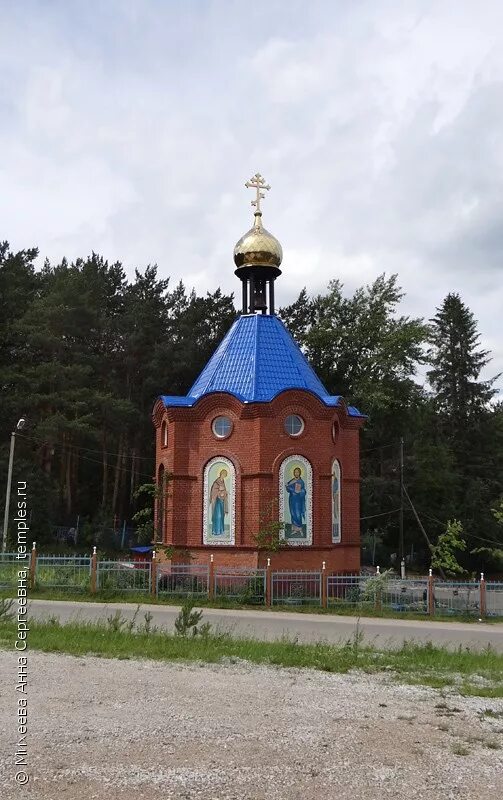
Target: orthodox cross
(258, 183)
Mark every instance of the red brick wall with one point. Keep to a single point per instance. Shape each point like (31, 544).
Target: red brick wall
(257, 446)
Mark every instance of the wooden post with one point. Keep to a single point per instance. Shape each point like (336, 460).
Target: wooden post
(211, 579)
(268, 583)
(94, 571)
(324, 584)
(33, 566)
(153, 575)
(483, 596)
(431, 594)
(378, 597)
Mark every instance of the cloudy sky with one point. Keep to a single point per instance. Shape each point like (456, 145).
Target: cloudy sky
(128, 127)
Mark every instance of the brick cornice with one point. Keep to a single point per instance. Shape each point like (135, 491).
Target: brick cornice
(290, 401)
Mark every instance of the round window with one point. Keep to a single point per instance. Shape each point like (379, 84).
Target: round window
(221, 427)
(294, 425)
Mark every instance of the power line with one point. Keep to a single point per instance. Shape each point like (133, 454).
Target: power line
(466, 533)
(379, 447)
(83, 449)
(382, 514)
(117, 467)
(96, 461)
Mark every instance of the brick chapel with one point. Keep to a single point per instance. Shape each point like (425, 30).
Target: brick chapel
(258, 441)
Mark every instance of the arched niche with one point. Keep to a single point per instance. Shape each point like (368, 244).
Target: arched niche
(296, 500)
(219, 502)
(336, 502)
(161, 504)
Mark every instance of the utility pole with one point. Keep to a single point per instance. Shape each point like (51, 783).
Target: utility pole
(401, 548)
(20, 425)
(421, 527)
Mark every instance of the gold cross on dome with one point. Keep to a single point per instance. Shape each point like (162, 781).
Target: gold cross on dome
(258, 183)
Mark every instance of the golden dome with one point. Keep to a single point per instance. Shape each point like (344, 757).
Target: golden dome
(258, 247)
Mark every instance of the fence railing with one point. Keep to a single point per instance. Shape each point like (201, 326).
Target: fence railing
(247, 586)
(263, 586)
(457, 597)
(124, 576)
(71, 573)
(407, 595)
(494, 599)
(10, 565)
(346, 591)
(180, 580)
(296, 588)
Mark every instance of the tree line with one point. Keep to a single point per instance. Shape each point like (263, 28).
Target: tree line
(85, 352)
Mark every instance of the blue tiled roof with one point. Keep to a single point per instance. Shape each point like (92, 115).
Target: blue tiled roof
(256, 361)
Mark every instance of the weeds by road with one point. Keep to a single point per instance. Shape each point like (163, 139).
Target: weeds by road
(469, 672)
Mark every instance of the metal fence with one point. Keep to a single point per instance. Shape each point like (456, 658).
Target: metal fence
(347, 591)
(494, 599)
(247, 586)
(10, 565)
(124, 576)
(406, 595)
(457, 597)
(256, 586)
(296, 588)
(180, 580)
(70, 573)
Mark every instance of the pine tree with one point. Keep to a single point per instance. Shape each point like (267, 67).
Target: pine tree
(457, 363)
(467, 422)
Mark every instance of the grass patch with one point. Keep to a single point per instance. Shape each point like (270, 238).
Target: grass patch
(444, 710)
(492, 744)
(471, 690)
(489, 712)
(433, 681)
(460, 749)
(413, 663)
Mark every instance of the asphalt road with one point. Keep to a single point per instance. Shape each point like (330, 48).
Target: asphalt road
(270, 625)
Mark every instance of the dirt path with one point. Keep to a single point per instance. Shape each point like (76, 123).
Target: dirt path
(134, 730)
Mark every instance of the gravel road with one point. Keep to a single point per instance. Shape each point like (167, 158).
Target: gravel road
(144, 730)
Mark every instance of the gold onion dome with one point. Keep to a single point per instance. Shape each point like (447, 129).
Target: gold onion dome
(258, 247)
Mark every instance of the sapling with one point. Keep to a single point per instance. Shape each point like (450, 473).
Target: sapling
(188, 620)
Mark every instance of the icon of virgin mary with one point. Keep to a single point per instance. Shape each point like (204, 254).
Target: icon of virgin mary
(219, 501)
(335, 504)
(296, 489)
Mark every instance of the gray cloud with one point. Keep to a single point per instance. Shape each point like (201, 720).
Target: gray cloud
(129, 128)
